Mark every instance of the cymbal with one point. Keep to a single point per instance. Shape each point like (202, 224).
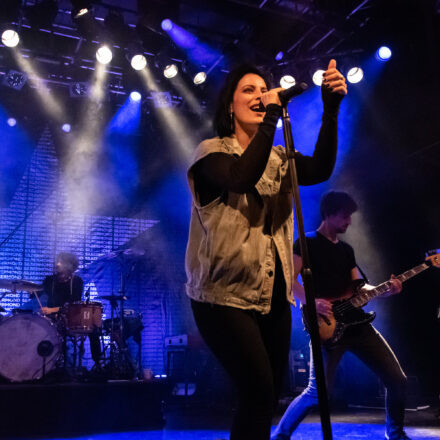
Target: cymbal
(113, 297)
(19, 285)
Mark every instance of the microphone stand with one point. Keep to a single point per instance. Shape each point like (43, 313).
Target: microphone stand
(307, 279)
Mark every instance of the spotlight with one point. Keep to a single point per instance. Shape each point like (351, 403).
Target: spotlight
(12, 122)
(199, 78)
(135, 96)
(170, 71)
(317, 77)
(279, 124)
(279, 56)
(15, 79)
(138, 62)
(80, 8)
(167, 25)
(104, 55)
(287, 81)
(355, 74)
(81, 12)
(383, 53)
(10, 38)
(66, 128)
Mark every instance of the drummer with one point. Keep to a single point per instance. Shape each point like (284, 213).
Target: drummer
(63, 286)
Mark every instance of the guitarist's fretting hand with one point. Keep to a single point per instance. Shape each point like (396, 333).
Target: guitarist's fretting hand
(396, 285)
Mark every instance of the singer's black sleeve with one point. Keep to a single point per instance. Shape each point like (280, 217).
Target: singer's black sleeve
(318, 167)
(219, 172)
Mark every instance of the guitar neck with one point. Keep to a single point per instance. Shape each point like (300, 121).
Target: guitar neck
(366, 295)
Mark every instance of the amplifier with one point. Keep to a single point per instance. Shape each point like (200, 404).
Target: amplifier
(176, 341)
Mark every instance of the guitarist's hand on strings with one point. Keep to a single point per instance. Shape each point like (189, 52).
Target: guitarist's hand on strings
(324, 307)
(396, 285)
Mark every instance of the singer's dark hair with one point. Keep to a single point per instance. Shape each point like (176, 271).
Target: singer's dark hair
(68, 258)
(222, 119)
(334, 202)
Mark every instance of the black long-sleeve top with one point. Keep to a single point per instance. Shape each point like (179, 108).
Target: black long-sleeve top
(218, 172)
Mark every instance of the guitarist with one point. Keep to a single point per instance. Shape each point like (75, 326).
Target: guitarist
(334, 269)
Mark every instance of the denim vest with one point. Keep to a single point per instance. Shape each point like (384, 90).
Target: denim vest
(233, 240)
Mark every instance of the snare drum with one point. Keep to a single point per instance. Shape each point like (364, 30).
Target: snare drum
(83, 317)
(29, 345)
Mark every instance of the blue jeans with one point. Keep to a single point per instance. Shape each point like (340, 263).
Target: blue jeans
(369, 346)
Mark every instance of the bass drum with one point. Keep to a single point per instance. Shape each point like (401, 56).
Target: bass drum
(29, 344)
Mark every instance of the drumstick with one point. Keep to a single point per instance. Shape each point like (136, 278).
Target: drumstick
(38, 299)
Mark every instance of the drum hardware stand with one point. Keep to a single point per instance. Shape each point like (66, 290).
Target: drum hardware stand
(45, 349)
(119, 348)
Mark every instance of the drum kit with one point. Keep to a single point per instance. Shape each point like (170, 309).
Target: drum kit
(33, 344)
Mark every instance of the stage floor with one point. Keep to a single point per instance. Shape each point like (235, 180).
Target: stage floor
(191, 423)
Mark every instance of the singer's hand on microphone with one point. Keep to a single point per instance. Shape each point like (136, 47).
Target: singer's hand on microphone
(271, 97)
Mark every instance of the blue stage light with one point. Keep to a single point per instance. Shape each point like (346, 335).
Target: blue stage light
(135, 96)
(279, 56)
(167, 25)
(383, 53)
(12, 122)
(66, 128)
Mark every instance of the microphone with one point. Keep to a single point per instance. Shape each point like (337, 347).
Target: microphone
(286, 95)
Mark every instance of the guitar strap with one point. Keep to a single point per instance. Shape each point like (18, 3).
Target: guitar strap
(362, 273)
(359, 268)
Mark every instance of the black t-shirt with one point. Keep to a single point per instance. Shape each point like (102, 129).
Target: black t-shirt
(331, 264)
(60, 293)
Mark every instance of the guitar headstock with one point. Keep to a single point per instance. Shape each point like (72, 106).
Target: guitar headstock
(434, 257)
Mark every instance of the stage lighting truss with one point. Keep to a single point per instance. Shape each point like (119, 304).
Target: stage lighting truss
(42, 14)
(10, 38)
(79, 89)
(15, 79)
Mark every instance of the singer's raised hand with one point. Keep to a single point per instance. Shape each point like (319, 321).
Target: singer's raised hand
(334, 80)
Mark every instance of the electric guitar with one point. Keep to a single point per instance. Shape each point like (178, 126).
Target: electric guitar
(347, 309)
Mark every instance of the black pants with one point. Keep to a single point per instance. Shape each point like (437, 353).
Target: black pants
(254, 349)
(370, 347)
